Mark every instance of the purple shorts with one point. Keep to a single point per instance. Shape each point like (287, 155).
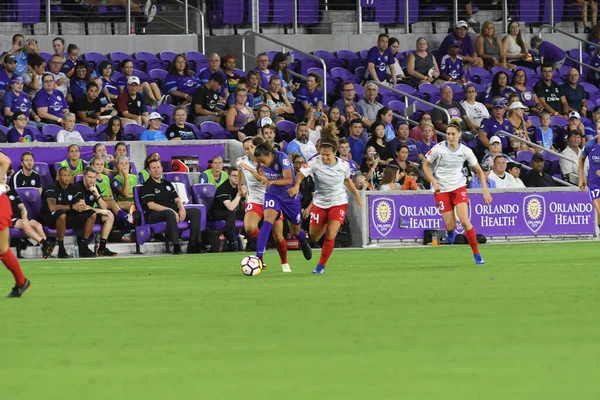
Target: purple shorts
(594, 193)
(290, 207)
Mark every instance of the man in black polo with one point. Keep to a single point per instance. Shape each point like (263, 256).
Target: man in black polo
(161, 203)
(88, 191)
(60, 211)
(26, 176)
(551, 95)
(131, 103)
(228, 206)
(204, 102)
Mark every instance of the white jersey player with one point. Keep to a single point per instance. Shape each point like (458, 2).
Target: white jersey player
(331, 174)
(254, 206)
(447, 159)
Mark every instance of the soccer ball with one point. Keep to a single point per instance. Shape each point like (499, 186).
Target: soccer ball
(251, 266)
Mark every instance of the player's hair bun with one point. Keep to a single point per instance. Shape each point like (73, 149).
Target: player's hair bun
(329, 136)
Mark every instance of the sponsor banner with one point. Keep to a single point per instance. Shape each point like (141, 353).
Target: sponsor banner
(510, 214)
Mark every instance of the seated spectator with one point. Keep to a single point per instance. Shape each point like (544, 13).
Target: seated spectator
(503, 179)
(301, 144)
(360, 182)
(498, 89)
(254, 90)
(544, 134)
(356, 140)
(181, 83)
(279, 103)
(309, 96)
(280, 66)
(110, 87)
(526, 94)
(490, 48)
(422, 67)
(451, 65)
(416, 133)
(402, 138)
(123, 183)
(440, 119)
(345, 154)
(20, 132)
(58, 44)
(153, 132)
(70, 62)
(74, 164)
(377, 141)
(348, 97)
(593, 76)
(231, 78)
(514, 169)
(240, 119)
(15, 100)
(333, 115)
(87, 194)
(372, 167)
(379, 59)
(61, 211)
(228, 205)
(161, 203)
(101, 153)
(79, 81)
(515, 47)
(26, 177)
(475, 110)
(60, 79)
(494, 151)
(262, 67)
(242, 84)
(426, 142)
(206, 99)
(493, 125)
(466, 51)
(114, 129)
(104, 189)
(214, 66)
(144, 174)
(548, 52)
(89, 108)
(271, 136)
(17, 51)
(315, 122)
(120, 151)
(215, 174)
(32, 78)
(516, 116)
(49, 103)
(370, 105)
(131, 104)
(475, 183)
(536, 177)
(7, 74)
(178, 130)
(385, 117)
(574, 93)
(401, 159)
(573, 152)
(150, 90)
(391, 176)
(560, 141)
(394, 45)
(349, 113)
(67, 134)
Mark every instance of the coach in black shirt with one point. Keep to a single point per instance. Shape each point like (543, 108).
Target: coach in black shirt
(536, 177)
(204, 102)
(26, 176)
(228, 206)
(161, 203)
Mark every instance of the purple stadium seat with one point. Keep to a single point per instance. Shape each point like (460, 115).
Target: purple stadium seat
(308, 12)
(142, 75)
(316, 70)
(167, 56)
(413, 11)
(50, 131)
(283, 12)
(93, 58)
(166, 111)
(430, 92)
(558, 11)
(271, 54)
(330, 60)
(343, 75)
(558, 121)
(212, 130)
(199, 135)
(28, 11)
(117, 57)
(360, 91)
(3, 129)
(479, 75)
(46, 56)
(287, 130)
(158, 75)
(264, 13)
(360, 74)
(195, 58)
(132, 132)
(527, 12)
(350, 59)
(226, 12)
(239, 72)
(204, 194)
(524, 156)
(589, 88)
(535, 120)
(43, 170)
(149, 61)
(304, 62)
(552, 165)
(363, 54)
(397, 106)
(32, 200)
(507, 71)
(182, 177)
(385, 11)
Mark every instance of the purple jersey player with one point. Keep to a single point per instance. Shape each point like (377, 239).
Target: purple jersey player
(592, 152)
(278, 176)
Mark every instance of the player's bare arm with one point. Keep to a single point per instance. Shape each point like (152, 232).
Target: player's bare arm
(293, 191)
(486, 193)
(429, 176)
(350, 186)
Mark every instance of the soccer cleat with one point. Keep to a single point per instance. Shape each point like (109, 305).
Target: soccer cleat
(264, 266)
(319, 269)
(286, 267)
(177, 250)
(18, 291)
(478, 259)
(62, 252)
(450, 237)
(85, 252)
(306, 250)
(105, 252)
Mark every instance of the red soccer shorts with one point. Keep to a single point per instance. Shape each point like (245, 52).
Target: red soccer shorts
(320, 216)
(5, 212)
(446, 201)
(257, 209)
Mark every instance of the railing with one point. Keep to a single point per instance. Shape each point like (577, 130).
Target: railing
(580, 44)
(284, 48)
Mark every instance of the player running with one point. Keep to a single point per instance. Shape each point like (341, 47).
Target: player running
(330, 201)
(256, 198)
(449, 184)
(278, 177)
(591, 151)
(6, 255)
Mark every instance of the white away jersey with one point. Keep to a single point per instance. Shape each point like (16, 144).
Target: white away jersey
(447, 165)
(256, 190)
(329, 181)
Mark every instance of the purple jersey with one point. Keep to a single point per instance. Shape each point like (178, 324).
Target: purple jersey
(182, 83)
(381, 61)
(55, 102)
(491, 126)
(551, 52)
(110, 85)
(466, 45)
(591, 150)
(5, 81)
(424, 147)
(265, 77)
(280, 163)
(16, 102)
(454, 69)
(313, 98)
(527, 96)
(504, 93)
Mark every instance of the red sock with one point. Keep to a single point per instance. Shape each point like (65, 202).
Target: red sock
(326, 251)
(12, 264)
(253, 234)
(472, 239)
(282, 250)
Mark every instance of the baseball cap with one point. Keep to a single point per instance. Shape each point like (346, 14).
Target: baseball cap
(498, 104)
(485, 166)
(495, 139)
(10, 58)
(574, 114)
(16, 78)
(154, 115)
(516, 104)
(596, 109)
(462, 24)
(265, 121)
(510, 165)
(455, 43)
(537, 157)
(133, 80)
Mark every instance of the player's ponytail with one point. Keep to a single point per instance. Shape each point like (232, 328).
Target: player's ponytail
(256, 140)
(329, 136)
(455, 123)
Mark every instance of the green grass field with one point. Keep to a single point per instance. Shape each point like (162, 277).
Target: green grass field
(380, 324)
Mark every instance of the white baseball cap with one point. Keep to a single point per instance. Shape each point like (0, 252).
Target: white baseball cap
(495, 139)
(574, 114)
(154, 115)
(516, 104)
(462, 24)
(265, 121)
(133, 80)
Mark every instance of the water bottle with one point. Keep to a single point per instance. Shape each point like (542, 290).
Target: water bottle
(75, 251)
(221, 242)
(434, 239)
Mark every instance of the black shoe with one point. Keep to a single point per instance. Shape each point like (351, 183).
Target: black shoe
(47, 249)
(306, 250)
(62, 252)
(18, 291)
(587, 29)
(105, 252)
(177, 250)
(85, 252)
(196, 249)
(232, 247)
